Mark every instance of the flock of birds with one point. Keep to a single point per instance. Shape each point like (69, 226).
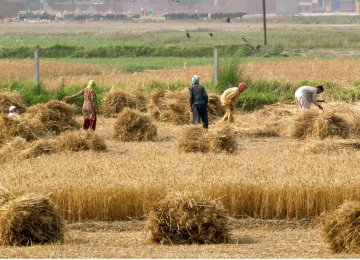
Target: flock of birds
(228, 20)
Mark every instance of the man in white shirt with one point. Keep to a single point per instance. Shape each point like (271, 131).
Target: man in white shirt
(306, 95)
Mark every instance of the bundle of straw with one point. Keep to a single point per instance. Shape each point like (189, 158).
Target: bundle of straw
(186, 218)
(312, 124)
(56, 116)
(30, 220)
(197, 139)
(341, 227)
(131, 125)
(115, 101)
(79, 140)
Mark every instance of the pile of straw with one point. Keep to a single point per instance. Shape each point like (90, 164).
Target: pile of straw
(56, 116)
(79, 140)
(28, 128)
(222, 139)
(11, 98)
(197, 139)
(30, 220)
(341, 227)
(115, 101)
(168, 106)
(131, 125)
(37, 148)
(176, 108)
(156, 102)
(11, 149)
(185, 218)
(312, 124)
(192, 139)
(215, 109)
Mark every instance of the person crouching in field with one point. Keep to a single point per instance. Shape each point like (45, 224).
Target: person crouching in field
(306, 95)
(89, 105)
(229, 99)
(13, 113)
(198, 102)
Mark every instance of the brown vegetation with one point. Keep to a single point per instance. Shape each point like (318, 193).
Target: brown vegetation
(115, 101)
(187, 218)
(30, 220)
(341, 227)
(131, 125)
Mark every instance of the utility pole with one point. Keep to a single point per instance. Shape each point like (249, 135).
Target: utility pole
(264, 19)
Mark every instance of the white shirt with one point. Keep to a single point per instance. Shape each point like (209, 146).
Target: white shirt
(307, 92)
(14, 115)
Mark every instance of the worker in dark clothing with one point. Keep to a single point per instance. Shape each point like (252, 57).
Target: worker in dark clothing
(198, 102)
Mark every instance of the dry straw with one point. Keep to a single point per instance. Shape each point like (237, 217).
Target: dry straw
(341, 227)
(27, 128)
(197, 139)
(215, 109)
(131, 125)
(168, 106)
(312, 124)
(5, 195)
(79, 140)
(30, 220)
(186, 218)
(56, 116)
(115, 101)
(8, 99)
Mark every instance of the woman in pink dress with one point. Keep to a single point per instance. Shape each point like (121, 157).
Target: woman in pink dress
(89, 105)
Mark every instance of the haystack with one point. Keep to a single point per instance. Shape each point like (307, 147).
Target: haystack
(192, 139)
(79, 140)
(222, 139)
(37, 148)
(56, 116)
(30, 220)
(11, 149)
(11, 98)
(114, 102)
(312, 124)
(186, 218)
(28, 128)
(168, 106)
(131, 125)
(176, 108)
(215, 109)
(341, 227)
(197, 139)
(156, 103)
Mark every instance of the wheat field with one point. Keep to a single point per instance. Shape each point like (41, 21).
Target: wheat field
(269, 177)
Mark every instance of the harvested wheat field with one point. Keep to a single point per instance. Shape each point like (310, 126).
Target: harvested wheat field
(274, 171)
(273, 187)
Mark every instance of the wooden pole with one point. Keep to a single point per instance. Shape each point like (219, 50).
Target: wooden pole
(264, 19)
(36, 66)
(216, 67)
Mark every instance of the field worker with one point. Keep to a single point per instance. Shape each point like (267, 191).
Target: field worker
(89, 105)
(306, 95)
(13, 112)
(198, 102)
(229, 99)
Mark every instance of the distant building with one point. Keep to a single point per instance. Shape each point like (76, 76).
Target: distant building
(10, 8)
